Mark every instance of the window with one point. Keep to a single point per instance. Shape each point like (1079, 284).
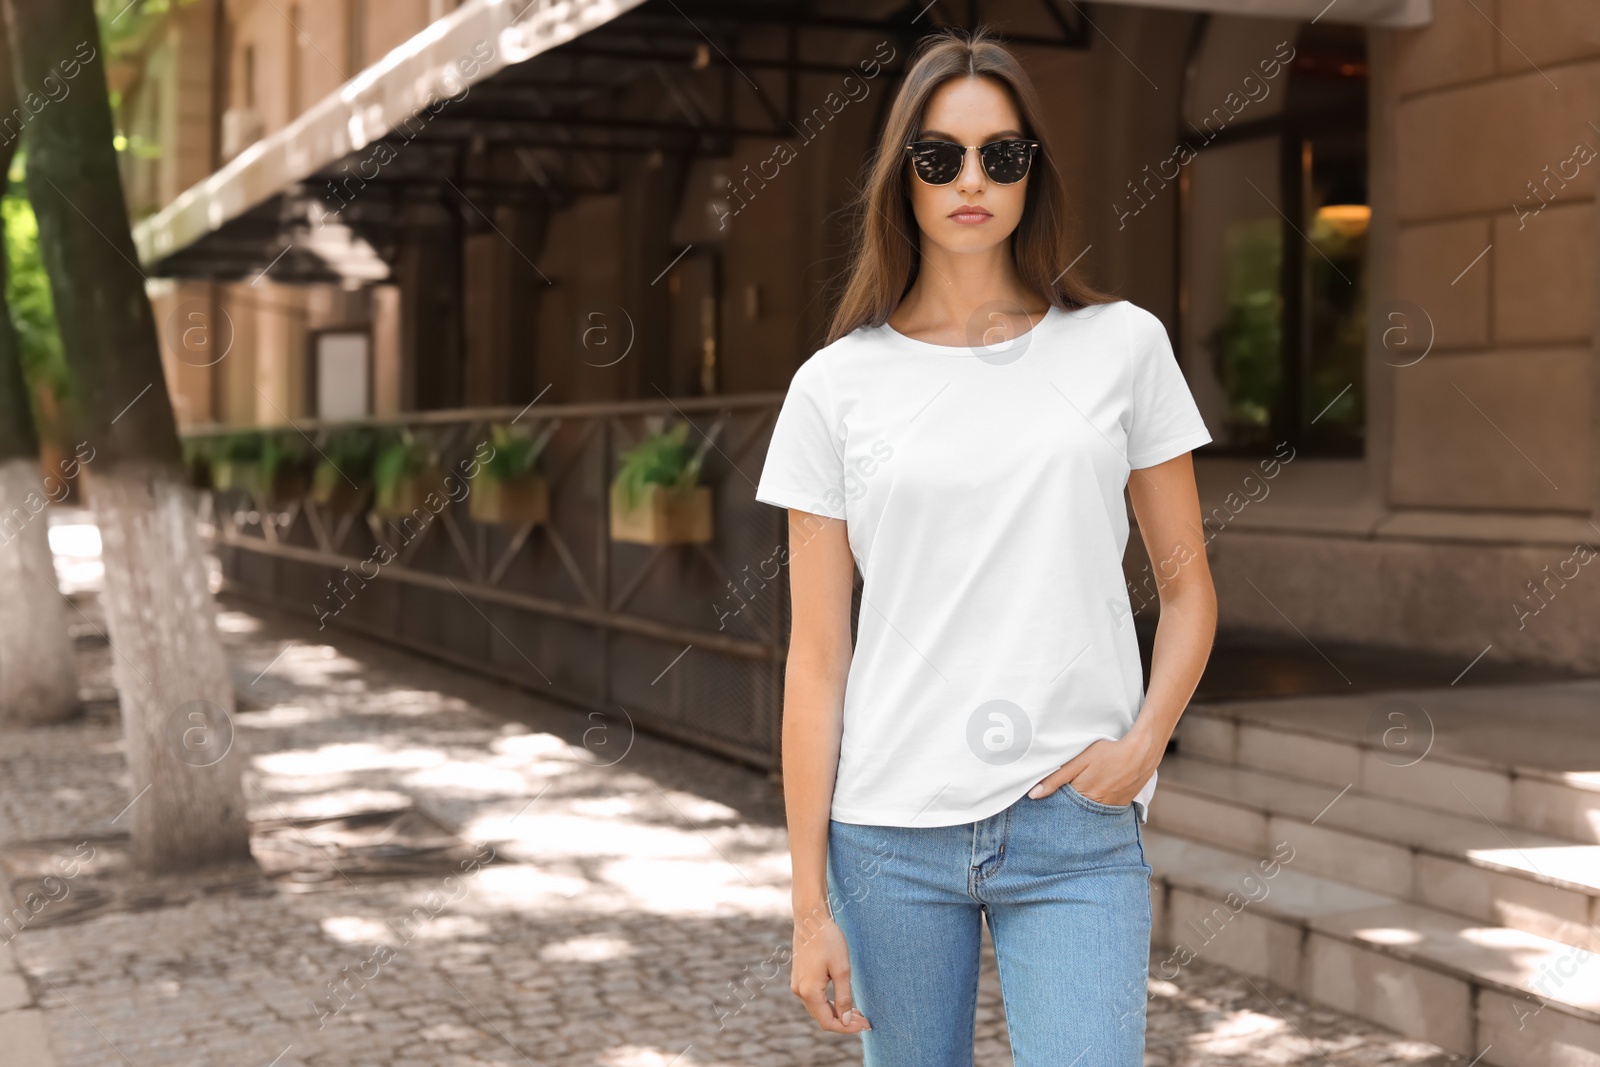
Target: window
(1274, 256)
(341, 374)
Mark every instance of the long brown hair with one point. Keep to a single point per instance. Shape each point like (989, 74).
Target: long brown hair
(887, 250)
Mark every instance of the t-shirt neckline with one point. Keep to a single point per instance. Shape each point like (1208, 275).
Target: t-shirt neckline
(1051, 314)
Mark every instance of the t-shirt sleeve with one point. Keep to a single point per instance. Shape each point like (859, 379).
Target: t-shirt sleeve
(804, 468)
(1165, 421)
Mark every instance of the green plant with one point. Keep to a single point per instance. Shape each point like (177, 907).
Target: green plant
(661, 458)
(282, 453)
(347, 454)
(199, 453)
(405, 458)
(516, 453)
(28, 295)
(234, 459)
(244, 447)
(127, 30)
(1247, 344)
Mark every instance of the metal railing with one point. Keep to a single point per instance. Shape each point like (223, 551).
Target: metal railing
(684, 640)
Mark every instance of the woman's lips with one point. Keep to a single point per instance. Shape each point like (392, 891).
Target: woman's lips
(970, 215)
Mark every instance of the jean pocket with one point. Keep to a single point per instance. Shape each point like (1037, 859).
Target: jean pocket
(1094, 805)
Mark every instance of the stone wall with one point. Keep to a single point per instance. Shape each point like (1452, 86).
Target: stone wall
(1497, 243)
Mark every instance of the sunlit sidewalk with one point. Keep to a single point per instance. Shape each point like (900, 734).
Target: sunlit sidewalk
(458, 873)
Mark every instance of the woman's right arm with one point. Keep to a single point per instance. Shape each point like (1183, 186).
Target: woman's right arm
(821, 576)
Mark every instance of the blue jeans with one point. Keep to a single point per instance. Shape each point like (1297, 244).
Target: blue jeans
(1065, 887)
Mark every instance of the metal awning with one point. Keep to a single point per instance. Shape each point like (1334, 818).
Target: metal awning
(466, 81)
(1382, 13)
(452, 54)
(540, 79)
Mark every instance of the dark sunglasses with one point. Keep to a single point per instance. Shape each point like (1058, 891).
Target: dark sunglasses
(1005, 162)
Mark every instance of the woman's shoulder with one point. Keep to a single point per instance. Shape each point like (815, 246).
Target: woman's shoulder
(841, 353)
(832, 363)
(1137, 326)
(867, 335)
(1119, 311)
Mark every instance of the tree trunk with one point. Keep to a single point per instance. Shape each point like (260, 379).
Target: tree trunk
(176, 695)
(38, 679)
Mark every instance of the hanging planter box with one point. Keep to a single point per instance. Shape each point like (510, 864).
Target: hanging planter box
(404, 474)
(284, 487)
(661, 472)
(409, 494)
(283, 474)
(198, 456)
(516, 501)
(338, 496)
(244, 475)
(335, 493)
(663, 516)
(199, 473)
(341, 482)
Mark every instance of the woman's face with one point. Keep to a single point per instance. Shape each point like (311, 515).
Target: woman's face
(972, 213)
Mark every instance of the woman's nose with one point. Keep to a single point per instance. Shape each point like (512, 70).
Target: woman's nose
(972, 176)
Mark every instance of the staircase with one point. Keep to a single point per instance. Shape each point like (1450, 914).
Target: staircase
(1428, 860)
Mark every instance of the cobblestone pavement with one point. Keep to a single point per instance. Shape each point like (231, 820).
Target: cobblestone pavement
(638, 886)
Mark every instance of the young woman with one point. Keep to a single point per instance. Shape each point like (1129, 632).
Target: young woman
(987, 751)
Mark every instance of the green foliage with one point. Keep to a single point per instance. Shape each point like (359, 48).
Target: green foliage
(1247, 346)
(404, 458)
(28, 292)
(232, 458)
(516, 453)
(126, 26)
(203, 451)
(197, 459)
(348, 453)
(244, 446)
(246, 458)
(130, 35)
(661, 458)
(1338, 312)
(285, 452)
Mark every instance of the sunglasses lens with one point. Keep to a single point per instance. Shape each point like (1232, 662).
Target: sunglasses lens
(1007, 162)
(937, 162)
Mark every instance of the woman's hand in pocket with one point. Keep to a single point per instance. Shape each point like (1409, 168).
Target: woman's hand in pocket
(1107, 772)
(820, 956)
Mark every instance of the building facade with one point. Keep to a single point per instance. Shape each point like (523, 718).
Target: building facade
(1369, 227)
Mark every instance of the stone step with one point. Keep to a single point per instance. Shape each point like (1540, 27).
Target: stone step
(1501, 875)
(1493, 995)
(1515, 773)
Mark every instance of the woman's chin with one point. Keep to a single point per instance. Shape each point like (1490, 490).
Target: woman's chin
(960, 239)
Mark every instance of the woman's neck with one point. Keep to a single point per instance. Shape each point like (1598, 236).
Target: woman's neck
(953, 290)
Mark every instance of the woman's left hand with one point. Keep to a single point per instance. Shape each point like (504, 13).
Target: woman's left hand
(1107, 772)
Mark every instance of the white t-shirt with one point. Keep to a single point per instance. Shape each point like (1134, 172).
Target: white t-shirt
(982, 489)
